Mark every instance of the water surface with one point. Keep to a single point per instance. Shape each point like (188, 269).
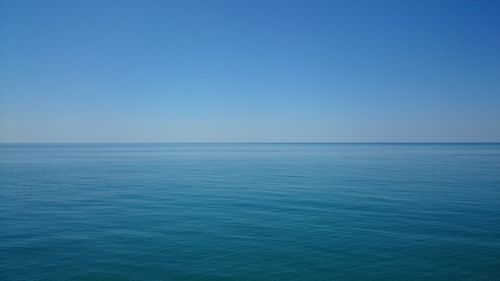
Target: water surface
(250, 212)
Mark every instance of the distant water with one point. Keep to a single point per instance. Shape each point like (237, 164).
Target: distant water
(250, 212)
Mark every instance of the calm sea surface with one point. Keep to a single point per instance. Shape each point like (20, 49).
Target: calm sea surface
(250, 212)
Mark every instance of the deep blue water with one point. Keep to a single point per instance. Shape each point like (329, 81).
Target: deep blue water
(250, 212)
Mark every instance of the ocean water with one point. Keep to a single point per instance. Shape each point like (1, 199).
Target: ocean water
(250, 212)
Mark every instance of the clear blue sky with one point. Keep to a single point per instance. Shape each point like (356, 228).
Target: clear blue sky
(230, 71)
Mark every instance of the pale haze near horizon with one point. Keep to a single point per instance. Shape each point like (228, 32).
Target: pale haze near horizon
(249, 71)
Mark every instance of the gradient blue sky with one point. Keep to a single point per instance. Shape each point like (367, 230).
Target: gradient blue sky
(230, 71)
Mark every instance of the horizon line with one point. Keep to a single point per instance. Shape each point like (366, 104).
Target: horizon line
(269, 142)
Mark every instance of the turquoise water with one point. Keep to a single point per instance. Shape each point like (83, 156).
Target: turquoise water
(250, 212)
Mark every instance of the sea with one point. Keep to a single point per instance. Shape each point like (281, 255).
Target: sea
(254, 211)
